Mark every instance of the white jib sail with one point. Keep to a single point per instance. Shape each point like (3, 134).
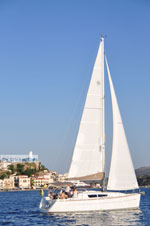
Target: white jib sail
(122, 174)
(88, 158)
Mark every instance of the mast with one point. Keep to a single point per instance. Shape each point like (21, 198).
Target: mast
(103, 113)
(103, 120)
(102, 146)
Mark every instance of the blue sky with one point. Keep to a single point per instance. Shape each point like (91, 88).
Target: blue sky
(47, 51)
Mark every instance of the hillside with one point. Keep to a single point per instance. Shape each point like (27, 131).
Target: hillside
(143, 171)
(143, 176)
(22, 169)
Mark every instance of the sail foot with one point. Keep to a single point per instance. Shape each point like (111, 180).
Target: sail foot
(93, 177)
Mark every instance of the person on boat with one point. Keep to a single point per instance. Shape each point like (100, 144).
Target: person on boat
(75, 192)
(63, 195)
(51, 194)
(67, 190)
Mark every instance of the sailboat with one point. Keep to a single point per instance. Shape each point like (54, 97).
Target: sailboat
(88, 161)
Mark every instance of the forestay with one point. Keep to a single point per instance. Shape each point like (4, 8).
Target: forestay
(88, 158)
(122, 174)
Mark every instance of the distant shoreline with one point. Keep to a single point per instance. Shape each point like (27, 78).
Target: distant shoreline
(12, 190)
(45, 189)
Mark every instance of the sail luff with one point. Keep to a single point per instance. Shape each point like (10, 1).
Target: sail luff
(122, 175)
(89, 148)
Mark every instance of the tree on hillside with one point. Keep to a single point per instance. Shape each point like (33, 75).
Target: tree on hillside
(42, 167)
(2, 176)
(29, 172)
(20, 168)
(144, 180)
(12, 168)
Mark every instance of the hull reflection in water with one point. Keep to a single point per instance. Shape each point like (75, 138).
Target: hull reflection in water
(107, 218)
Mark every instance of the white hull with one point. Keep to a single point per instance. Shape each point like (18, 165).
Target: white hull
(112, 201)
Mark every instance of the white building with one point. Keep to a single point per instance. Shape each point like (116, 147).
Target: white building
(1, 184)
(19, 158)
(40, 181)
(22, 181)
(8, 183)
(4, 165)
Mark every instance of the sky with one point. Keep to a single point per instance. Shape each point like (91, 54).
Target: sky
(47, 52)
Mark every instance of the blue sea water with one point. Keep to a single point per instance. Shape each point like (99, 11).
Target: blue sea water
(21, 208)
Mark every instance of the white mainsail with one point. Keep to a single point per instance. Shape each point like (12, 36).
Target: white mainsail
(89, 153)
(122, 174)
